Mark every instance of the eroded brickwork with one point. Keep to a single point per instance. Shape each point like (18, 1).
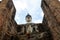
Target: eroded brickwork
(51, 9)
(7, 23)
(9, 30)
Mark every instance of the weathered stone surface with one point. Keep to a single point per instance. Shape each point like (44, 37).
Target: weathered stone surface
(9, 30)
(43, 34)
(7, 23)
(51, 9)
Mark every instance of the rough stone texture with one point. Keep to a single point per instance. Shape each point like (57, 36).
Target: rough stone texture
(51, 9)
(43, 34)
(9, 30)
(7, 23)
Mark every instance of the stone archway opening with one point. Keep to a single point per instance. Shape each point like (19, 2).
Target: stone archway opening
(11, 27)
(22, 12)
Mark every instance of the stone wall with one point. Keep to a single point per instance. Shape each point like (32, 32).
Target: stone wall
(7, 22)
(51, 21)
(51, 9)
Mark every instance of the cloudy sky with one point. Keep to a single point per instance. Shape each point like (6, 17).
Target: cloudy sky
(23, 7)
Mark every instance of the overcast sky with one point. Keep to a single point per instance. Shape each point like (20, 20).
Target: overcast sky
(23, 7)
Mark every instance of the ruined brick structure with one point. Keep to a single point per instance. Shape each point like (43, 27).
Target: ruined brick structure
(51, 9)
(7, 23)
(9, 30)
